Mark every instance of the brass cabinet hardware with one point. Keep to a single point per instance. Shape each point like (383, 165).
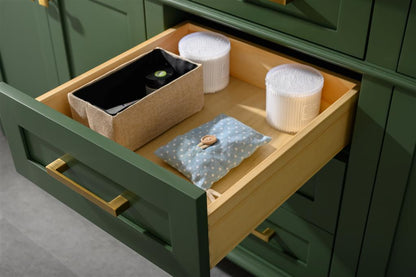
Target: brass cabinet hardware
(57, 167)
(281, 2)
(44, 3)
(265, 235)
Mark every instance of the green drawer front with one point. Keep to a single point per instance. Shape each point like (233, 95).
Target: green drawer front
(407, 60)
(147, 215)
(341, 25)
(167, 218)
(297, 247)
(318, 200)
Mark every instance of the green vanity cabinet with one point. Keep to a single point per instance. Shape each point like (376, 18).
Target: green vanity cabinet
(42, 47)
(354, 217)
(163, 216)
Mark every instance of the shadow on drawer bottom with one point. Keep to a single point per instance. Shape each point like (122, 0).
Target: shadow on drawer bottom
(297, 248)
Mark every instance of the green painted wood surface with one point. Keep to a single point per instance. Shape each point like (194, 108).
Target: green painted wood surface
(393, 174)
(385, 39)
(254, 264)
(340, 25)
(1, 80)
(400, 262)
(184, 203)
(150, 217)
(91, 32)
(1, 71)
(312, 49)
(368, 134)
(297, 248)
(408, 57)
(43, 47)
(160, 17)
(318, 200)
(26, 51)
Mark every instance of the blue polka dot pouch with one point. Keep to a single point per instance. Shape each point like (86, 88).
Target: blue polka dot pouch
(235, 142)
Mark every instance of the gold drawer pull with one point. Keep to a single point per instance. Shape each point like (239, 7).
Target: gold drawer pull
(57, 167)
(44, 3)
(281, 2)
(265, 235)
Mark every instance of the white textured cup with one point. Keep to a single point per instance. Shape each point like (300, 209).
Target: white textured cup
(293, 96)
(212, 50)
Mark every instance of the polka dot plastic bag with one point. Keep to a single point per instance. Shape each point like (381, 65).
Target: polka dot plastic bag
(235, 142)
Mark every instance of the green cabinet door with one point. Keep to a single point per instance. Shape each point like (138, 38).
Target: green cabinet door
(27, 59)
(392, 197)
(402, 263)
(87, 33)
(385, 37)
(408, 55)
(42, 47)
(367, 142)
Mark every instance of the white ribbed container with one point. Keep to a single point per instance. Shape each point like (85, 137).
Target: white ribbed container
(212, 50)
(293, 96)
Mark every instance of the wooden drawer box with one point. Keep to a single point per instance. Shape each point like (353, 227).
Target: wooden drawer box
(168, 219)
(340, 25)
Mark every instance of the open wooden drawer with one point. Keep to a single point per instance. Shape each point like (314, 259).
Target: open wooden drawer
(168, 219)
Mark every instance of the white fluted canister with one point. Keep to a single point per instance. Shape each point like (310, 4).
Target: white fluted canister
(212, 50)
(293, 96)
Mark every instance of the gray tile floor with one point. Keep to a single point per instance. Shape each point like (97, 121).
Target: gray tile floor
(39, 236)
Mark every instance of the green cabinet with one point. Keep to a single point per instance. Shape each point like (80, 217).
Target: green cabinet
(168, 220)
(389, 241)
(42, 47)
(351, 219)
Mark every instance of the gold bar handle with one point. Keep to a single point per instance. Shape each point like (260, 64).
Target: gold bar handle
(57, 167)
(281, 2)
(44, 3)
(265, 235)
